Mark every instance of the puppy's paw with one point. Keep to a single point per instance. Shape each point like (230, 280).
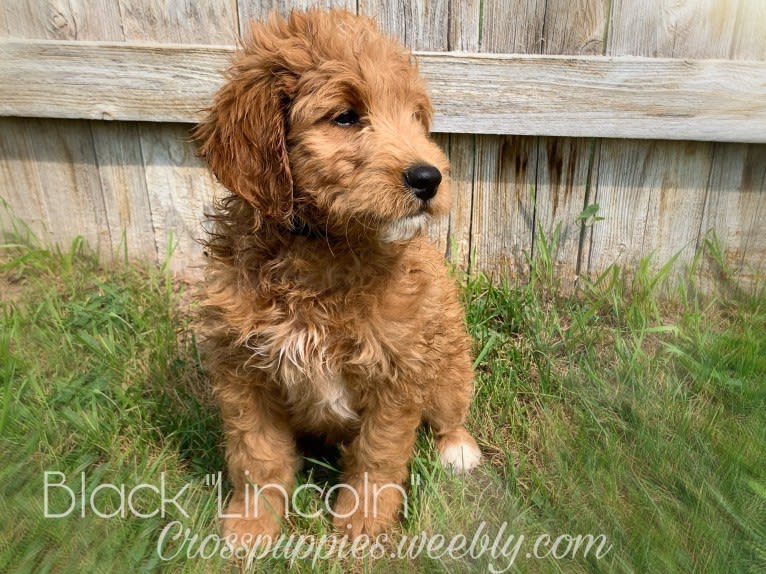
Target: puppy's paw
(241, 530)
(368, 514)
(458, 451)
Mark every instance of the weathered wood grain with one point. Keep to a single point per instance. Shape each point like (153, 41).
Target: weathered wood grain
(462, 156)
(651, 196)
(503, 205)
(178, 188)
(260, 9)
(735, 210)
(658, 210)
(138, 182)
(565, 165)
(94, 80)
(732, 29)
(583, 96)
(61, 19)
(198, 22)
(120, 162)
(513, 26)
(563, 174)
(419, 25)
(53, 182)
(53, 163)
(465, 25)
(575, 27)
(23, 199)
(598, 97)
(559, 175)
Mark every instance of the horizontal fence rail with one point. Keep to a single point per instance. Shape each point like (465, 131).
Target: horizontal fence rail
(577, 96)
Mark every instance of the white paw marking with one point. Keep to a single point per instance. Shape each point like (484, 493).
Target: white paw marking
(461, 457)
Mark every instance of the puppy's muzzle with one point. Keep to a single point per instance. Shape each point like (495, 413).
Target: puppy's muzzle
(423, 180)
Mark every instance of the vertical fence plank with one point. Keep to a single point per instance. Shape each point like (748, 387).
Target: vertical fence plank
(563, 174)
(178, 186)
(53, 176)
(464, 35)
(20, 185)
(421, 25)
(59, 156)
(502, 222)
(746, 40)
(260, 9)
(465, 25)
(671, 196)
(651, 193)
(552, 191)
(180, 190)
(651, 196)
(513, 26)
(576, 27)
(735, 203)
(565, 164)
(661, 185)
(123, 186)
(462, 156)
(735, 211)
(503, 205)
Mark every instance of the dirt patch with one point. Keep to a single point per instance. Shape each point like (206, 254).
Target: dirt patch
(12, 287)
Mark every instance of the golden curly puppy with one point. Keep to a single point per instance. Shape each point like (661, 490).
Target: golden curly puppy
(328, 311)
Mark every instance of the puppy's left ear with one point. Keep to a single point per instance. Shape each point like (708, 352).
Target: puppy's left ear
(243, 138)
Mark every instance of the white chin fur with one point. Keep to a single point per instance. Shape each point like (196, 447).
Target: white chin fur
(403, 229)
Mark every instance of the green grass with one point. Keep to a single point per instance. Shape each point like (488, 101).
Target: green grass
(632, 408)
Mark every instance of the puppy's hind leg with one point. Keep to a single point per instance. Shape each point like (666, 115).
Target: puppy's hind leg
(446, 412)
(262, 461)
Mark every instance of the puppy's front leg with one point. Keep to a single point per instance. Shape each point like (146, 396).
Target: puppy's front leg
(375, 468)
(261, 458)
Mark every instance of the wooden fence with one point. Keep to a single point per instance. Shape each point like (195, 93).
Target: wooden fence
(655, 110)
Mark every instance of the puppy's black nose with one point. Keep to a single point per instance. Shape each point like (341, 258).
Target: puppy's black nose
(423, 180)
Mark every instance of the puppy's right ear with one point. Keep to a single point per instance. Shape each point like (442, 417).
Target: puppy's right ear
(243, 138)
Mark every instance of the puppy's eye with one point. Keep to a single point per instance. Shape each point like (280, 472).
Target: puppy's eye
(346, 119)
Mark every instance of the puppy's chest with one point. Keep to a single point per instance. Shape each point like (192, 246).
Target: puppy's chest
(306, 364)
(323, 354)
(320, 402)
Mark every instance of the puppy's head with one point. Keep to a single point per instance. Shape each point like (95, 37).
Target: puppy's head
(324, 118)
